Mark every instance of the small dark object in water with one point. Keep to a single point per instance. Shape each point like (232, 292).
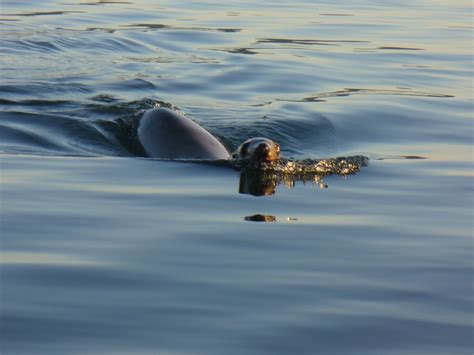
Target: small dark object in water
(261, 218)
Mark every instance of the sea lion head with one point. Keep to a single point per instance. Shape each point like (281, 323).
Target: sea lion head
(258, 150)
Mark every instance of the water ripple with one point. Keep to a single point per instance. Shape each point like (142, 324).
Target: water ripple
(352, 91)
(401, 48)
(309, 42)
(159, 26)
(44, 13)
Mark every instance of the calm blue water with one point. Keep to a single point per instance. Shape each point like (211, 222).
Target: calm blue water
(104, 252)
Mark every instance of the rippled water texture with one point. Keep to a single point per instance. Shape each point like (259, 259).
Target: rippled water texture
(104, 251)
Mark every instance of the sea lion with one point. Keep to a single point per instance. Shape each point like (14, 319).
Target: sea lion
(167, 134)
(258, 150)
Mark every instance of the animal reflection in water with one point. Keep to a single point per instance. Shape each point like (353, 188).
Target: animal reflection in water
(167, 134)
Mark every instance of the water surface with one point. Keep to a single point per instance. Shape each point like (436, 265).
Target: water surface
(104, 252)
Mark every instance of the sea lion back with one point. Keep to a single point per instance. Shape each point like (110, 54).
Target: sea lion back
(167, 134)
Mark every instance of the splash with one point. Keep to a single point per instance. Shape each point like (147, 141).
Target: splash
(323, 167)
(296, 168)
(262, 179)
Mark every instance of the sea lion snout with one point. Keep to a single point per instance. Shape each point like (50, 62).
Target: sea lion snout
(266, 152)
(259, 150)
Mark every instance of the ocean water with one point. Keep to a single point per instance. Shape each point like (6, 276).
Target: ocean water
(104, 251)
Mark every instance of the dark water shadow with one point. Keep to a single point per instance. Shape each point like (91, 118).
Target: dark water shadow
(44, 13)
(145, 27)
(101, 2)
(160, 26)
(308, 42)
(34, 102)
(344, 15)
(361, 91)
(402, 48)
(391, 157)
(253, 50)
(238, 50)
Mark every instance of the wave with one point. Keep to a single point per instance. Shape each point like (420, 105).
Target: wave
(106, 125)
(45, 133)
